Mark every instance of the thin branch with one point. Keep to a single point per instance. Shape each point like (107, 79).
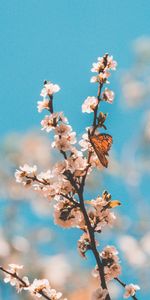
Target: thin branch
(77, 204)
(96, 109)
(93, 244)
(23, 283)
(123, 284)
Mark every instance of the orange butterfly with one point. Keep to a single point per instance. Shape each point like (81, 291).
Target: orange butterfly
(101, 144)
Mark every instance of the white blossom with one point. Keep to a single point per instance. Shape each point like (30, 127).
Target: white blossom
(130, 290)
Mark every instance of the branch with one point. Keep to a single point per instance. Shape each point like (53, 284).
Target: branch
(123, 284)
(23, 283)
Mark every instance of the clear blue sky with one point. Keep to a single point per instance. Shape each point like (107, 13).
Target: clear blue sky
(58, 40)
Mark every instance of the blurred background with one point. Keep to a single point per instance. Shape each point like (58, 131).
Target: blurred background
(59, 41)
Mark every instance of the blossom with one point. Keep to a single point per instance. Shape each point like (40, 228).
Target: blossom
(65, 186)
(110, 252)
(43, 105)
(20, 286)
(14, 268)
(101, 77)
(130, 290)
(67, 215)
(51, 191)
(49, 89)
(108, 95)
(45, 176)
(37, 286)
(106, 217)
(64, 143)
(10, 278)
(77, 165)
(98, 203)
(112, 271)
(59, 168)
(25, 172)
(111, 63)
(63, 129)
(99, 294)
(84, 142)
(50, 122)
(84, 244)
(103, 63)
(54, 295)
(89, 104)
(98, 66)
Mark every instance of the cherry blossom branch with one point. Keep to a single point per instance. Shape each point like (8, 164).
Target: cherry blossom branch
(91, 234)
(23, 283)
(93, 130)
(77, 204)
(68, 177)
(124, 285)
(93, 244)
(96, 108)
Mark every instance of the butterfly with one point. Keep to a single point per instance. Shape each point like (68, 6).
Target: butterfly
(101, 144)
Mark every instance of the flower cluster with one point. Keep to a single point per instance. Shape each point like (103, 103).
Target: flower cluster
(130, 290)
(110, 260)
(47, 93)
(102, 67)
(39, 287)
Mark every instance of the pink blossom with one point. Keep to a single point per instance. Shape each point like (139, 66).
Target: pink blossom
(103, 63)
(37, 286)
(24, 172)
(111, 64)
(66, 215)
(63, 129)
(84, 142)
(98, 203)
(101, 77)
(51, 191)
(89, 104)
(43, 105)
(65, 142)
(14, 268)
(10, 278)
(130, 290)
(109, 252)
(49, 89)
(98, 66)
(77, 165)
(108, 95)
(99, 294)
(84, 244)
(112, 271)
(94, 79)
(65, 186)
(104, 217)
(45, 176)
(59, 168)
(49, 122)
(54, 295)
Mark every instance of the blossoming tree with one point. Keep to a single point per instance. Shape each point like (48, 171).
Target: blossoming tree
(65, 184)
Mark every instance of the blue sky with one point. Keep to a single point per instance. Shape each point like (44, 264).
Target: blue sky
(58, 40)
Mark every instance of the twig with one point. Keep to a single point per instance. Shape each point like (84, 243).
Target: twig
(123, 284)
(23, 283)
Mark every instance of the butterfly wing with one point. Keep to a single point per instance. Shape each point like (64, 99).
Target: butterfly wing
(101, 144)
